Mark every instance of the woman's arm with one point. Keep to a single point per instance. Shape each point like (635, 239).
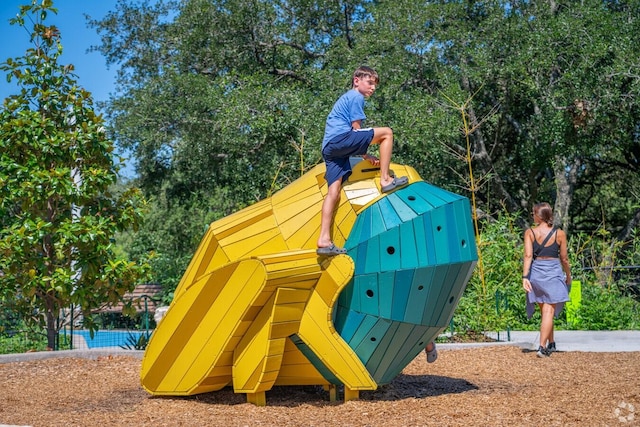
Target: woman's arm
(528, 259)
(564, 257)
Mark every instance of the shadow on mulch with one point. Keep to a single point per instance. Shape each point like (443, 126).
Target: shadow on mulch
(402, 387)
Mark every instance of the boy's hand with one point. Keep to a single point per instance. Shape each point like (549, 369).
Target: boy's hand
(371, 159)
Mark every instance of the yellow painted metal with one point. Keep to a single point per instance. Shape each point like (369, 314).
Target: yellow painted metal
(258, 399)
(317, 331)
(350, 394)
(254, 282)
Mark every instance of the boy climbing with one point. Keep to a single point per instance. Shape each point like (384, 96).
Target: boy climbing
(344, 137)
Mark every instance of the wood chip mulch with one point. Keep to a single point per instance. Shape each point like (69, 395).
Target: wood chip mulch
(490, 386)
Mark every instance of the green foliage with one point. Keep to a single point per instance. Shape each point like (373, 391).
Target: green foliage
(606, 309)
(136, 341)
(217, 98)
(22, 343)
(501, 303)
(501, 245)
(58, 215)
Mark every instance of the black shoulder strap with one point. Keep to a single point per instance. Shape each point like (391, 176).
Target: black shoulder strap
(546, 239)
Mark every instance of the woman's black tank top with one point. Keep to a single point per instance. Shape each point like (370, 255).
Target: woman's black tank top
(551, 251)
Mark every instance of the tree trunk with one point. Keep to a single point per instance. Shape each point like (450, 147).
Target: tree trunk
(52, 330)
(625, 234)
(565, 179)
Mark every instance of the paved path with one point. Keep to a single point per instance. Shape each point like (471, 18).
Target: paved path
(590, 341)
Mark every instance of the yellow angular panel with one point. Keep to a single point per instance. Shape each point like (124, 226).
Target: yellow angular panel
(307, 235)
(196, 329)
(260, 352)
(317, 331)
(261, 226)
(313, 178)
(242, 219)
(298, 215)
(202, 260)
(265, 241)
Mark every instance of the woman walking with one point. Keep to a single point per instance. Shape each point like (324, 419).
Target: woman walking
(546, 274)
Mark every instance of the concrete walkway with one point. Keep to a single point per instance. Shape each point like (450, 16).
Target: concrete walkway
(590, 341)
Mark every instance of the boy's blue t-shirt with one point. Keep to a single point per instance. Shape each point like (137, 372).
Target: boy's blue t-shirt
(347, 109)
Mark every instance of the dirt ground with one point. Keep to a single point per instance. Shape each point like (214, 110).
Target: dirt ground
(493, 386)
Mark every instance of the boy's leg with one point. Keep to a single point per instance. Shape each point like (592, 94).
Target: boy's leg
(326, 220)
(384, 138)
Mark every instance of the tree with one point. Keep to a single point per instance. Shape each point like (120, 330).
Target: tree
(58, 216)
(218, 96)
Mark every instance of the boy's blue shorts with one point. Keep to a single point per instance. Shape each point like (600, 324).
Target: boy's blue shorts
(337, 152)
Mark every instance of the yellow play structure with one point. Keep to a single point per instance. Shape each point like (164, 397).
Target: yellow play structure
(257, 307)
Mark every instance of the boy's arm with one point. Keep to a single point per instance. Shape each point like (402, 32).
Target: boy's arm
(356, 124)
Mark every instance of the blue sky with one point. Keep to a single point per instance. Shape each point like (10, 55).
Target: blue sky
(77, 38)
(91, 67)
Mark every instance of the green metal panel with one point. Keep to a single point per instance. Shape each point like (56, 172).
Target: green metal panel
(401, 290)
(367, 346)
(390, 250)
(437, 283)
(409, 246)
(440, 231)
(385, 290)
(366, 289)
(389, 214)
(372, 260)
(347, 322)
(368, 322)
(405, 213)
(418, 297)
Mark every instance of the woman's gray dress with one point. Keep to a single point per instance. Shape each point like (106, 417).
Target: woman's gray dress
(548, 285)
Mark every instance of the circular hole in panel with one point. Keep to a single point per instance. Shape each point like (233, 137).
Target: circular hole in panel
(391, 250)
(420, 287)
(373, 339)
(464, 243)
(369, 293)
(412, 198)
(451, 299)
(421, 344)
(439, 228)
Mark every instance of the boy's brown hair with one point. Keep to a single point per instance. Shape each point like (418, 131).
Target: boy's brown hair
(365, 71)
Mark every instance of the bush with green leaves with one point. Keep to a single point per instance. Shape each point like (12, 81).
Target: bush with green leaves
(606, 308)
(58, 216)
(498, 302)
